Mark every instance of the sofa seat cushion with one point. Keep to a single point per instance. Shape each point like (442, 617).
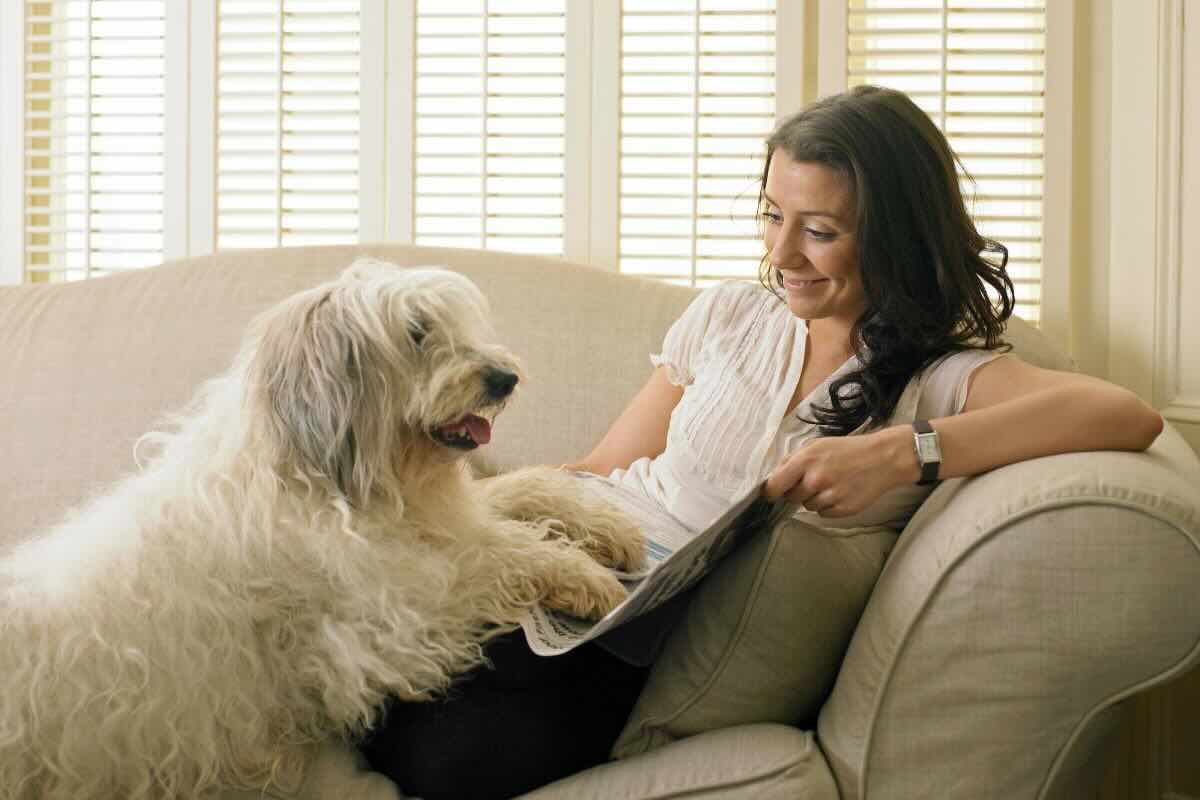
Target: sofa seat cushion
(747, 762)
(337, 771)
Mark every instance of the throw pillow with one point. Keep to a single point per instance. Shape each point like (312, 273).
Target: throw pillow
(763, 636)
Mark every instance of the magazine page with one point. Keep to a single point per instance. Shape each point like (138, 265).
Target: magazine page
(677, 557)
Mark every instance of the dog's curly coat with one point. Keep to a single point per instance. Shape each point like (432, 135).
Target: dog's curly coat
(306, 541)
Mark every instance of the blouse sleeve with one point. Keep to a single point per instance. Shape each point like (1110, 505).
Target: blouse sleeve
(946, 382)
(710, 311)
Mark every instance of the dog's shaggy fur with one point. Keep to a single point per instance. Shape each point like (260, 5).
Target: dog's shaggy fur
(305, 542)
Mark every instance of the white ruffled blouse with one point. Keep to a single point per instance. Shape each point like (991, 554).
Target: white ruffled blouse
(738, 351)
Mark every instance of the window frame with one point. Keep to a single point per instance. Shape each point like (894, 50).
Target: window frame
(12, 131)
(591, 223)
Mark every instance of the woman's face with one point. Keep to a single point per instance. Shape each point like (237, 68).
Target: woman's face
(809, 221)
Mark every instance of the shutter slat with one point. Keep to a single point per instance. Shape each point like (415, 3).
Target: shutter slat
(288, 93)
(958, 59)
(507, 149)
(94, 126)
(698, 92)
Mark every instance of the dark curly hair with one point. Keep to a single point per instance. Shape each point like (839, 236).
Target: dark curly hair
(924, 267)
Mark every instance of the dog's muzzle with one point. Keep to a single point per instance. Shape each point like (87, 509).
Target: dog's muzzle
(473, 430)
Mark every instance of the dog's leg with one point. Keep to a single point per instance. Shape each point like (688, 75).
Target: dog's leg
(537, 494)
(577, 585)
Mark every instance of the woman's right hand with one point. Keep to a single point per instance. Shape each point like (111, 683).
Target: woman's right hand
(840, 476)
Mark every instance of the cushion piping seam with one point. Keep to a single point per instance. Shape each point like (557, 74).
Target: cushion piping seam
(694, 791)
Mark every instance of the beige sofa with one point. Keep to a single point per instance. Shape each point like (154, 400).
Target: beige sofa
(1017, 614)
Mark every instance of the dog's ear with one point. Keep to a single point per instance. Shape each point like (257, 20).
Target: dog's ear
(318, 372)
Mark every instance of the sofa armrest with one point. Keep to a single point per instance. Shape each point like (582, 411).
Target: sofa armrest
(1018, 608)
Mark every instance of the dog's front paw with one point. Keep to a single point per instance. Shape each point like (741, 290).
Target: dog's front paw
(614, 541)
(588, 596)
(566, 510)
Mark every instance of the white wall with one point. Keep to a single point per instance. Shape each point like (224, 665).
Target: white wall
(1088, 326)
(1135, 284)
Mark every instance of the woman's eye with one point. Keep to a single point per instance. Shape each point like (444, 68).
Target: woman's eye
(772, 217)
(820, 236)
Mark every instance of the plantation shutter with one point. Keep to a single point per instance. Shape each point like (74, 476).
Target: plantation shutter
(977, 67)
(93, 137)
(490, 123)
(697, 102)
(287, 122)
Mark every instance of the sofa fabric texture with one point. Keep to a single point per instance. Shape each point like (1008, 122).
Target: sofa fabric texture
(1010, 621)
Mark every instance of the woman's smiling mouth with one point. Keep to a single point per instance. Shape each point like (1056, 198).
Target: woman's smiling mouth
(796, 284)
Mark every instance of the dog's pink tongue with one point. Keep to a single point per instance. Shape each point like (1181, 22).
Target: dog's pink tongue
(479, 428)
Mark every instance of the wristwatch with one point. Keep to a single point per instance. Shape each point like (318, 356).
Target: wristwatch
(929, 452)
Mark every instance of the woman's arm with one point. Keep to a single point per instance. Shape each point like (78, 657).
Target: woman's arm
(1013, 412)
(640, 430)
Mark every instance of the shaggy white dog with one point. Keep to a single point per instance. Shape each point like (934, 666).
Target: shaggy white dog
(306, 541)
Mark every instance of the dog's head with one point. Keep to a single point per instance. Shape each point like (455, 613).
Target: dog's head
(377, 369)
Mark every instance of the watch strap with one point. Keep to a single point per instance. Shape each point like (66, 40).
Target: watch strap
(929, 469)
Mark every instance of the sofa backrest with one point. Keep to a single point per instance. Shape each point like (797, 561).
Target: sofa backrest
(89, 366)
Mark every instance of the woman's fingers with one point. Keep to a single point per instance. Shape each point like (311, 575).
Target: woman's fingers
(821, 501)
(832, 476)
(789, 473)
(784, 479)
(818, 500)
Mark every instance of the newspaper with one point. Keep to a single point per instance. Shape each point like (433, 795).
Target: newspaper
(676, 557)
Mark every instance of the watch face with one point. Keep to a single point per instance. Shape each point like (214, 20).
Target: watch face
(927, 448)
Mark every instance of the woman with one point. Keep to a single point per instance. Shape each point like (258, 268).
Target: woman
(869, 241)
(877, 323)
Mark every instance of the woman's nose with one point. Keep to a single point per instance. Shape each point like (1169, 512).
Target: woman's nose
(785, 251)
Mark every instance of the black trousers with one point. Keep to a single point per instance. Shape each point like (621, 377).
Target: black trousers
(507, 729)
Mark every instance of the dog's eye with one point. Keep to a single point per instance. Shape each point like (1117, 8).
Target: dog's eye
(417, 332)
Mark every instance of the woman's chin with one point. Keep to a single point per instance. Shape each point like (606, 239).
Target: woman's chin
(805, 307)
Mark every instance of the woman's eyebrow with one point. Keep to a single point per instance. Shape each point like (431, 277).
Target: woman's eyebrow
(829, 214)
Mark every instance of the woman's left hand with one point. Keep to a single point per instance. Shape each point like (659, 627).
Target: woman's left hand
(839, 476)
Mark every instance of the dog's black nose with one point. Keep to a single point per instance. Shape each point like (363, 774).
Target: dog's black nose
(499, 382)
